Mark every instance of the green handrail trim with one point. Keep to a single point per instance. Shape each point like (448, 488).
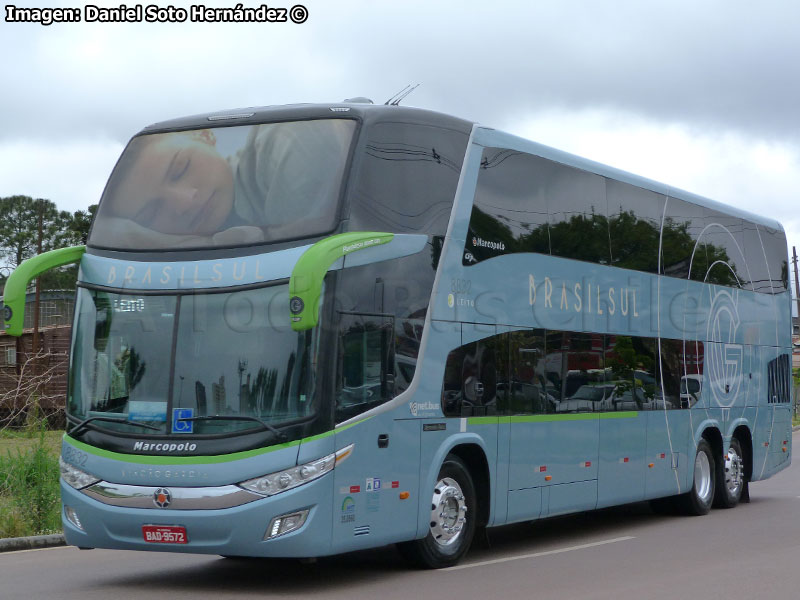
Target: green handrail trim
(305, 285)
(17, 284)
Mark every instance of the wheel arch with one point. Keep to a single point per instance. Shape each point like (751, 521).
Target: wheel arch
(712, 435)
(745, 437)
(475, 459)
(471, 449)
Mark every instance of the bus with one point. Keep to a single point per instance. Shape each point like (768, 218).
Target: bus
(313, 329)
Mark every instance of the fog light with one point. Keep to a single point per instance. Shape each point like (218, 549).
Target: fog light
(286, 524)
(72, 517)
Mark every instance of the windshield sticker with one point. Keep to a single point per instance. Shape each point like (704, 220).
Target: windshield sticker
(139, 410)
(180, 424)
(226, 186)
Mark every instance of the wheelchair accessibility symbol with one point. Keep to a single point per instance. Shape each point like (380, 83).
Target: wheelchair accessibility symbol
(179, 426)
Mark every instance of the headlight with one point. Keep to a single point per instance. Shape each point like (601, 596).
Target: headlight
(274, 483)
(74, 476)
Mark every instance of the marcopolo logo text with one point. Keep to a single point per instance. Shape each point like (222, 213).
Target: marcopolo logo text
(481, 243)
(148, 446)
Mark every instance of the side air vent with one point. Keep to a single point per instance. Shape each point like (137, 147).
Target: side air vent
(361, 530)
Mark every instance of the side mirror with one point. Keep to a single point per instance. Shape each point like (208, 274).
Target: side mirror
(17, 284)
(305, 285)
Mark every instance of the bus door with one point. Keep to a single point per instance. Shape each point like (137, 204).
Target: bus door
(474, 390)
(368, 508)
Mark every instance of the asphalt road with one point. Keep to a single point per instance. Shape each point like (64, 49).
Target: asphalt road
(624, 553)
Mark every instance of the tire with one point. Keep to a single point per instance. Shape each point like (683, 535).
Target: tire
(731, 480)
(454, 508)
(699, 499)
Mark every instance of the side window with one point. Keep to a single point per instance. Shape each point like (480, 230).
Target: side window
(757, 272)
(688, 357)
(634, 221)
(509, 213)
(575, 368)
(633, 374)
(475, 378)
(366, 365)
(529, 391)
(407, 178)
(672, 370)
(724, 240)
(577, 204)
(681, 256)
(777, 258)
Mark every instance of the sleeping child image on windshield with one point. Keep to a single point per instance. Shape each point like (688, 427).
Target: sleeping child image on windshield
(228, 186)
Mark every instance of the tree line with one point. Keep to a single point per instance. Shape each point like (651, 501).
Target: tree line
(20, 218)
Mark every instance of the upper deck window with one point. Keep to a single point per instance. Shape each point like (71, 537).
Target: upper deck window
(526, 203)
(225, 186)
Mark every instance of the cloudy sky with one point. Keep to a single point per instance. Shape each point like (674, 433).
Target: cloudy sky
(702, 95)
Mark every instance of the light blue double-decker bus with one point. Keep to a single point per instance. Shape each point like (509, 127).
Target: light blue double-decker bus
(313, 329)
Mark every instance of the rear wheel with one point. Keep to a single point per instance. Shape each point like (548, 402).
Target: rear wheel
(452, 519)
(730, 477)
(699, 499)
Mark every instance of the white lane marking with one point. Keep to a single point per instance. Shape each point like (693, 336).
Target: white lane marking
(539, 554)
(2, 554)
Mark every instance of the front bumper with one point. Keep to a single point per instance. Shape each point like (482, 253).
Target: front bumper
(235, 531)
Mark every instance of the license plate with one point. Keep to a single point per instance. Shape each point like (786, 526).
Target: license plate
(164, 534)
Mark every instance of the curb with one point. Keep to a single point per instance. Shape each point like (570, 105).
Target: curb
(32, 543)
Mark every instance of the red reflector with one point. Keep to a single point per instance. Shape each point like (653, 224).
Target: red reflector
(542, 469)
(354, 489)
(766, 443)
(625, 459)
(395, 484)
(663, 455)
(588, 464)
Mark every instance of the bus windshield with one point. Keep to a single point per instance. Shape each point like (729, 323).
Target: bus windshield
(226, 186)
(238, 357)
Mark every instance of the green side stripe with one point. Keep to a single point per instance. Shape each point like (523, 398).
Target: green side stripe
(305, 285)
(201, 460)
(620, 415)
(17, 283)
(551, 418)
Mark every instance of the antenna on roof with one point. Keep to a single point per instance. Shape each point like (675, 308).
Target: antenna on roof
(401, 95)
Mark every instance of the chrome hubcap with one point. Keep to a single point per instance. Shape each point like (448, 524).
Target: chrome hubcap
(734, 473)
(702, 477)
(448, 511)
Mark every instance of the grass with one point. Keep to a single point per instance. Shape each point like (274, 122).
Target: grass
(14, 441)
(29, 492)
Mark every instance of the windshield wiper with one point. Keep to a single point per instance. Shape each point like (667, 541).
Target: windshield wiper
(266, 426)
(85, 424)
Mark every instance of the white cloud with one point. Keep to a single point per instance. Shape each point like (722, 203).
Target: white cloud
(71, 174)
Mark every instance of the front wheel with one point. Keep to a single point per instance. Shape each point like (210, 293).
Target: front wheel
(730, 477)
(452, 519)
(699, 499)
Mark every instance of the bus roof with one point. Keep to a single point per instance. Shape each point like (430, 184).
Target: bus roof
(291, 112)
